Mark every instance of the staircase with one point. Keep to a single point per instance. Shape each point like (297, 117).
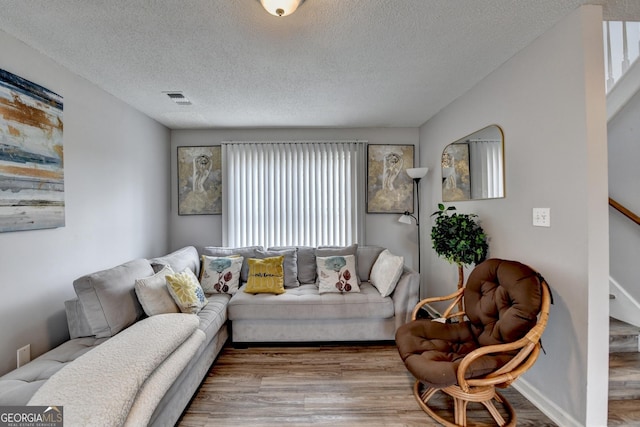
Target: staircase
(624, 374)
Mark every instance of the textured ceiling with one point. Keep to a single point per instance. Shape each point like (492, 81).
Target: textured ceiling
(333, 63)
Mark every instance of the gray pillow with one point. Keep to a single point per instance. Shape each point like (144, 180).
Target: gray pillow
(306, 262)
(325, 251)
(77, 320)
(246, 252)
(289, 266)
(186, 257)
(367, 256)
(108, 297)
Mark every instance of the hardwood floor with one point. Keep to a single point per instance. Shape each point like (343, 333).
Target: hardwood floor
(324, 385)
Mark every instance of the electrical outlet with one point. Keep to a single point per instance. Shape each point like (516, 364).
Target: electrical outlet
(24, 355)
(542, 217)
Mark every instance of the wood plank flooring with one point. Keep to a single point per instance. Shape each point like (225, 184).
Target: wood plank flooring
(363, 385)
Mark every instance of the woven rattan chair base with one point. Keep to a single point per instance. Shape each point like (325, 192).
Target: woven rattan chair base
(485, 395)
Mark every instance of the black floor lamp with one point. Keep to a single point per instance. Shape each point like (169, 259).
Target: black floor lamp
(416, 174)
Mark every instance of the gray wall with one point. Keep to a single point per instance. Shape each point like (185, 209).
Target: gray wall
(624, 176)
(116, 164)
(381, 229)
(549, 100)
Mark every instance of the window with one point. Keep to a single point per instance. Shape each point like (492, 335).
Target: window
(292, 193)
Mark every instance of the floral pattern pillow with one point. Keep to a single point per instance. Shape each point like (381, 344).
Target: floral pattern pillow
(186, 291)
(220, 275)
(337, 274)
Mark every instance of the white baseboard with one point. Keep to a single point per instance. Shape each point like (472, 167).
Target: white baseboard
(546, 406)
(624, 307)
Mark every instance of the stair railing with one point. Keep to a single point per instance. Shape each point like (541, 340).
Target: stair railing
(619, 55)
(624, 211)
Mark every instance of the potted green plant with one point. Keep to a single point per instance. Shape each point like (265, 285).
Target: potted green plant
(458, 238)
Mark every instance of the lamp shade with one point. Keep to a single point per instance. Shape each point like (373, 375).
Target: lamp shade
(406, 218)
(281, 7)
(417, 173)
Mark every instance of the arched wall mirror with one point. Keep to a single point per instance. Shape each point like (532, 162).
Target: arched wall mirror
(473, 167)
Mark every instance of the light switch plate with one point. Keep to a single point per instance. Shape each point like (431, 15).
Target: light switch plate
(542, 217)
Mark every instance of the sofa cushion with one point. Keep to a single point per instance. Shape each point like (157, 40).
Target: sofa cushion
(186, 291)
(213, 315)
(265, 276)
(108, 297)
(386, 271)
(245, 252)
(366, 258)
(186, 257)
(306, 262)
(154, 295)
(306, 303)
(289, 265)
(337, 274)
(220, 275)
(76, 319)
(17, 387)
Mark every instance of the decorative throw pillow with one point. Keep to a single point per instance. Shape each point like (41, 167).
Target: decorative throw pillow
(386, 271)
(154, 295)
(337, 274)
(246, 252)
(306, 262)
(220, 275)
(328, 251)
(289, 265)
(265, 276)
(186, 291)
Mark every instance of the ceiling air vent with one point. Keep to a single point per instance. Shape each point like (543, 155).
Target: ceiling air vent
(178, 98)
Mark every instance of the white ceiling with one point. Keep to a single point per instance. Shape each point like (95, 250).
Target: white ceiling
(333, 63)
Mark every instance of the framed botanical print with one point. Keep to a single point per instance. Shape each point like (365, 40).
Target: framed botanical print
(199, 180)
(389, 188)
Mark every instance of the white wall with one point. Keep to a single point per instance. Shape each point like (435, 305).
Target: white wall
(549, 100)
(116, 167)
(624, 176)
(206, 230)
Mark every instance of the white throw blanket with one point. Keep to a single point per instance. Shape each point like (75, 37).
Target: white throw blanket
(123, 379)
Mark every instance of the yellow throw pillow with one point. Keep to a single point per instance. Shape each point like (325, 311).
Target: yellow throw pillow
(265, 276)
(186, 291)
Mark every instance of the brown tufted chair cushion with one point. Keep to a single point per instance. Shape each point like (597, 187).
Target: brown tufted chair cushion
(502, 300)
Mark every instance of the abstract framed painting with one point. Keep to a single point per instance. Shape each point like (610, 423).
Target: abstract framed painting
(200, 180)
(31, 156)
(389, 188)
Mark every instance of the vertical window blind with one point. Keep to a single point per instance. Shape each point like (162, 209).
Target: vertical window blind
(292, 193)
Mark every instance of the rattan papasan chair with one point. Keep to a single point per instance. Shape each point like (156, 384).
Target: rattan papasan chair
(493, 341)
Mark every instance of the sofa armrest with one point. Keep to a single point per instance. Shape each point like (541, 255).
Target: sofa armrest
(405, 295)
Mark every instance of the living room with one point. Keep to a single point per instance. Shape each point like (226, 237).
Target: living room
(120, 196)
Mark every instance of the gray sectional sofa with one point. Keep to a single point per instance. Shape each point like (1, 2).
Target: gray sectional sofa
(139, 370)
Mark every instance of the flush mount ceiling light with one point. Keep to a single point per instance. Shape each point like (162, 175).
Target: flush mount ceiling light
(281, 7)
